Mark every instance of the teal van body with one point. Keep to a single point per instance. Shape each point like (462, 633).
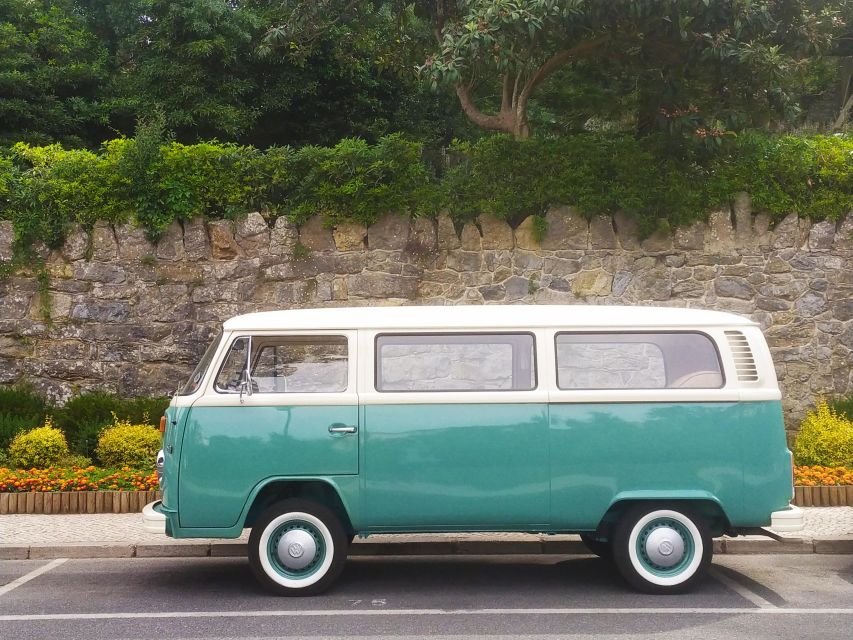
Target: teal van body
(399, 424)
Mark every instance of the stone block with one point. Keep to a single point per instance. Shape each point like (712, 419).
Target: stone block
(283, 237)
(690, 238)
(720, 237)
(349, 236)
(470, 239)
(7, 240)
(223, 245)
(592, 283)
(567, 229)
(80, 550)
(252, 234)
(76, 244)
(170, 246)
(822, 236)
(788, 233)
(732, 287)
(602, 235)
(659, 242)
(132, 242)
(390, 232)
(314, 235)
(497, 234)
(104, 245)
(526, 236)
(627, 231)
(844, 235)
(447, 237)
(196, 240)
(382, 285)
(173, 550)
(744, 233)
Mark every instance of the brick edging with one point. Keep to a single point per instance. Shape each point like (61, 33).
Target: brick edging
(837, 496)
(46, 502)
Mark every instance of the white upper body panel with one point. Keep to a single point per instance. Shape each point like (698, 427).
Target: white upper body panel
(485, 317)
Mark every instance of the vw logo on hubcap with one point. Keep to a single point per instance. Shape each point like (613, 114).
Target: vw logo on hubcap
(295, 550)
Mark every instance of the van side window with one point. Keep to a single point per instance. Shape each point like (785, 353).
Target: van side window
(456, 362)
(676, 360)
(287, 364)
(311, 364)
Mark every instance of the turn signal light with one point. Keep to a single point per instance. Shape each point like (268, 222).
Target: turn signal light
(162, 424)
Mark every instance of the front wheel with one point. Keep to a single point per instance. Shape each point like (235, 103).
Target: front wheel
(297, 548)
(662, 548)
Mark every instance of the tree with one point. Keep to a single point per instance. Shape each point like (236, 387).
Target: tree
(699, 62)
(51, 73)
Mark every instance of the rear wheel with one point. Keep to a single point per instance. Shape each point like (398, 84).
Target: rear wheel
(297, 548)
(662, 548)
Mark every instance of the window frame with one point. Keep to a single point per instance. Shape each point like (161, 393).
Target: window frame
(377, 360)
(720, 363)
(264, 338)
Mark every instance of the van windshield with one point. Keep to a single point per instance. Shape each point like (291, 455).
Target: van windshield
(194, 382)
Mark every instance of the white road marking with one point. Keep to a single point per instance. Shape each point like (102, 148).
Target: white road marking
(741, 590)
(31, 575)
(319, 613)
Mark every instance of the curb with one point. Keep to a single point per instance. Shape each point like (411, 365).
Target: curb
(726, 546)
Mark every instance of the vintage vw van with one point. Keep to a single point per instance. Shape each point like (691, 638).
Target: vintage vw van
(645, 430)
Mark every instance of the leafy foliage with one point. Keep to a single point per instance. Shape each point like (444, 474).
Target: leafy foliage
(155, 183)
(51, 68)
(40, 447)
(21, 408)
(84, 416)
(125, 444)
(825, 438)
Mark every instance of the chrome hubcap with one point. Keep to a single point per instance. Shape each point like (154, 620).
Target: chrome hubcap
(664, 547)
(296, 549)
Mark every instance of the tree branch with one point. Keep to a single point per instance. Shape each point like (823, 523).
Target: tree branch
(560, 59)
(484, 120)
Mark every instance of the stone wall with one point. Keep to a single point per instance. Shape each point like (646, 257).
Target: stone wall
(123, 314)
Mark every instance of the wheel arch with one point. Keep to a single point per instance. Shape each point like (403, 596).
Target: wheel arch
(704, 504)
(318, 490)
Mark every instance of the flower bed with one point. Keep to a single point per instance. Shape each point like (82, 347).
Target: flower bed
(76, 479)
(818, 486)
(76, 490)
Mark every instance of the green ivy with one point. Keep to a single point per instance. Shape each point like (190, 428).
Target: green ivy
(151, 181)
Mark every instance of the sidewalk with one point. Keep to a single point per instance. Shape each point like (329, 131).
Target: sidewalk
(828, 530)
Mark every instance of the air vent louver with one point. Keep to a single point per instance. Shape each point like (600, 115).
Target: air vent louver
(742, 354)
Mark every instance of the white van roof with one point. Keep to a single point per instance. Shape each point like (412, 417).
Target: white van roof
(484, 317)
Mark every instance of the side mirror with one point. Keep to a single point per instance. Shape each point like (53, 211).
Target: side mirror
(245, 384)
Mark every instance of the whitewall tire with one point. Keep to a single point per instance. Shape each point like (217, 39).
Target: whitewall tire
(297, 547)
(662, 548)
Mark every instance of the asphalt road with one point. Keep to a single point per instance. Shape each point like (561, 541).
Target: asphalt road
(773, 596)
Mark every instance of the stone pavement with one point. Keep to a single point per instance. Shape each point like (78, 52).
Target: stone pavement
(828, 530)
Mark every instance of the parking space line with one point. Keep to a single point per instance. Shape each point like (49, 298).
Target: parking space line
(741, 590)
(31, 575)
(318, 613)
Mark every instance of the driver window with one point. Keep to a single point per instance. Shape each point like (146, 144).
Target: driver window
(230, 373)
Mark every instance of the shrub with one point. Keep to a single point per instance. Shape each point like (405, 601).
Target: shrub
(21, 409)
(84, 416)
(128, 445)
(40, 447)
(825, 439)
(842, 406)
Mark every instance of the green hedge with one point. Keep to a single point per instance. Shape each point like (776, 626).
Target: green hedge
(45, 189)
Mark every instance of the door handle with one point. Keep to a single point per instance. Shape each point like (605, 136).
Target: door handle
(342, 428)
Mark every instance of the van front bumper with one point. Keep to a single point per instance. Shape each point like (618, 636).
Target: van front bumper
(790, 519)
(154, 521)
